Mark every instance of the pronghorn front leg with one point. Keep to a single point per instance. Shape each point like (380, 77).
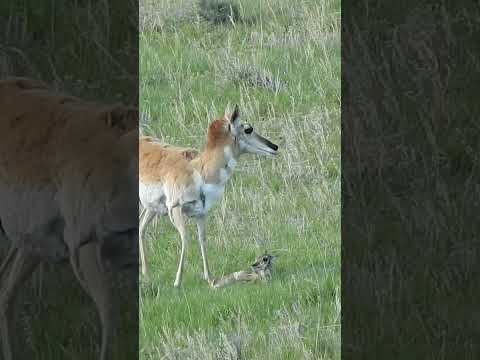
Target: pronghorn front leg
(178, 221)
(98, 285)
(202, 241)
(23, 264)
(6, 262)
(145, 218)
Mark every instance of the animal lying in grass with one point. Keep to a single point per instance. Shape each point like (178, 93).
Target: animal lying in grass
(261, 270)
(170, 183)
(67, 171)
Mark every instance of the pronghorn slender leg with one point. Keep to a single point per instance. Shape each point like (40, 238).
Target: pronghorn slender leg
(23, 264)
(10, 255)
(179, 221)
(201, 239)
(148, 215)
(98, 285)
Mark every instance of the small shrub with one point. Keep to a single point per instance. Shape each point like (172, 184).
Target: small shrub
(219, 12)
(233, 70)
(166, 15)
(257, 77)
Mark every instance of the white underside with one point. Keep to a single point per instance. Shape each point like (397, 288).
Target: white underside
(155, 197)
(158, 197)
(152, 197)
(27, 215)
(213, 193)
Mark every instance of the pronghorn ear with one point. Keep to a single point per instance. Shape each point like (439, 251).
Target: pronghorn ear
(122, 117)
(235, 115)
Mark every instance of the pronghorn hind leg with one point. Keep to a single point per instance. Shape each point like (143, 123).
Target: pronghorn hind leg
(97, 284)
(23, 264)
(145, 218)
(202, 241)
(8, 259)
(178, 221)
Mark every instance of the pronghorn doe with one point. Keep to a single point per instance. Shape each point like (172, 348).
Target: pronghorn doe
(172, 183)
(68, 180)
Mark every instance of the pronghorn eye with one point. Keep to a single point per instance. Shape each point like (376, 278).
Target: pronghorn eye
(248, 130)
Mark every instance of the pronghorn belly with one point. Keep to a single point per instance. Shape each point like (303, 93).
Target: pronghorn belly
(30, 218)
(152, 197)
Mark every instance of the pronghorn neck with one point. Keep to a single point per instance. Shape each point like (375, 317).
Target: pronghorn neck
(216, 164)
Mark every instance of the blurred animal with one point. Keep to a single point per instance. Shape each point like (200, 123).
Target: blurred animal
(68, 180)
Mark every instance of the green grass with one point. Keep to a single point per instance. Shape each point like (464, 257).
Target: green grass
(281, 63)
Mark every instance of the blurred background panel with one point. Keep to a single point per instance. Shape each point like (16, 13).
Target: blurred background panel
(87, 49)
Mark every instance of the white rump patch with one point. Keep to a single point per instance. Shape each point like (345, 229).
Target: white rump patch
(152, 196)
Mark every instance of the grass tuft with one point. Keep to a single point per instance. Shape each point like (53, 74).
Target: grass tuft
(234, 71)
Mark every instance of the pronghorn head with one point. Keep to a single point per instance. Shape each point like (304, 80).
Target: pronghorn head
(245, 139)
(263, 262)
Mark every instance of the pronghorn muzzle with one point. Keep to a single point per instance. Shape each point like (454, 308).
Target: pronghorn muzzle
(261, 145)
(267, 142)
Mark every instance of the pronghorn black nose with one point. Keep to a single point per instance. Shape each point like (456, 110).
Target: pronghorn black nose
(268, 143)
(272, 145)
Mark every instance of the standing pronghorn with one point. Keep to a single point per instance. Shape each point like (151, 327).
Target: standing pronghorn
(172, 183)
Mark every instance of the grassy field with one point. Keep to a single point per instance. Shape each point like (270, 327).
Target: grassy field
(280, 61)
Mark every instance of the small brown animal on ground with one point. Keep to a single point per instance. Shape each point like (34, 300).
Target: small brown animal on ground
(261, 269)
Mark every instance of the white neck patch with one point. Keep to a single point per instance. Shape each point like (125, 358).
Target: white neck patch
(229, 158)
(226, 172)
(213, 192)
